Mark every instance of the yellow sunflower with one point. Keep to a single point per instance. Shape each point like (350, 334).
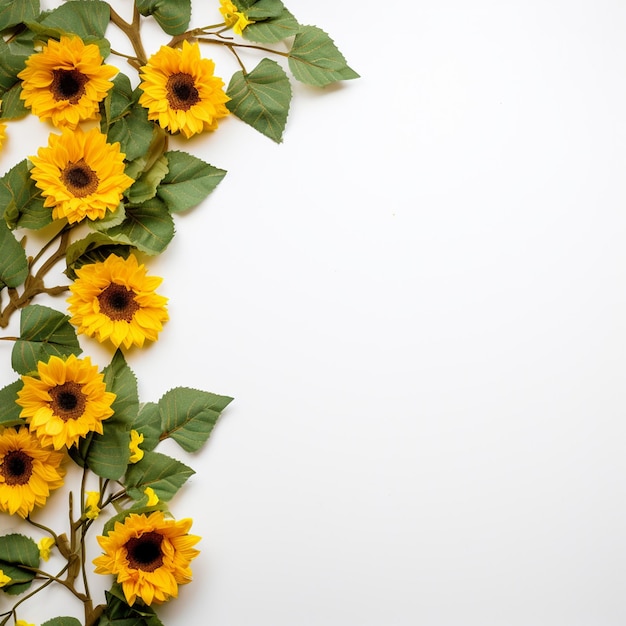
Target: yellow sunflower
(67, 401)
(113, 300)
(28, 471)
(150, 556)
(66, 81)
(234, 18)
(181, 92)
(80, 175)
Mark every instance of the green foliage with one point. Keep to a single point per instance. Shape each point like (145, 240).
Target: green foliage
(145, 187)
(12, 105)
(118, 613)
(117, 103)
(93, 248)
(107, 454)
(148, 423)
(11, 64)
(148, 226)
(112, 218)
(88, 20)
(133, 131)
(188, 181)
(13, 13)
(164, 474)
(44, 332)
(9, 410)
(272, 29)
(315, 59)
(19, 196)
(16, 552)
(261, 98)
(262, 9)
(189, 415)
(172, 15)
(13, 262)
(62, 621)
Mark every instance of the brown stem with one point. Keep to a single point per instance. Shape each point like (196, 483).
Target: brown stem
(132, 31)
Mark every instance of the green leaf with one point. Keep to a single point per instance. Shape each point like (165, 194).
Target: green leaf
(112, 218)
(85, 19)
(44, 332)
(189, 181)
(164, 474)
(62, 621)
(172, 15)
(13, 13)
(20, 578)
(261, 98)
(149, 227)
(10, 66)
(93, 248)
(315, 60)
(12, 105)
(273, 29)
(107, 454)
(118, 613)
(117, 103)
(134, 132)
(18, 550)
(13, 262)
(9, 409)
(145, 187)
(189, 415)
(19, 195)
(263, 9)
(147, 422)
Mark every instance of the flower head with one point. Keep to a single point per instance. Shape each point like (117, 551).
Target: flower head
(149, 555)
(153, 499)
(80, 175)
(66, 81)
(181, 92)
(28, 471)
(92, 510)
(136, 453)
(114, 300)
(23, 622)
(66, 402)
(234, 18)
(45, 545)
(4, 579)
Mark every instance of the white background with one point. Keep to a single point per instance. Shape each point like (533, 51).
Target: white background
(418, 301)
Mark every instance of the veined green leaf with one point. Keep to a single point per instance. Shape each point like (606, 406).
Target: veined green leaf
(145, 187)
(62, 621)
(18, 551)
(158, 471)
(13, 262)
(315, 59)
(134, 132)
(13, 13)
(18, 194)
(148, 423)
(9, 409)
(10, 66)
(261, 98)
(85, 19)
(260, 10)
(44, 332)
(189, 181)
(93, 248)
(273, 29)
(12, 105)
(172, 15)
(189, 415)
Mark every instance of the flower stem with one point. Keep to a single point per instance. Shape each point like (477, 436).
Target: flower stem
(132, 31)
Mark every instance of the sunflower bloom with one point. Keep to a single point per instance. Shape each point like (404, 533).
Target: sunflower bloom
(45, 545)
(114, 300)
(28, 471)
(4, 579)
(149, 555)
(153, 499)
(180, 91)
(234, 18)
(66, 81)
(136, 453)
(66, 402)
(80, 175)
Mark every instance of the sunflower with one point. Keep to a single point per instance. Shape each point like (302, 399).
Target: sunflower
(234, 18)
(28, 471)
(67, 401)
(181, 92)
(113, 300)
(80, 175)
(66, 81)
(150, 556)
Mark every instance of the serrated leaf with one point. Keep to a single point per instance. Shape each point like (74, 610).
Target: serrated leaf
(134, 133)
(149, 227)
(164, 474)
(189, 415)
(189, 181)
(85, 19)
(16, 551)
(148, 423)
(44, 332)
(121, 380)
(35, 216)
(117, 102)
(273, 29)
(112, 218)
(93, 248)
(9, 409)
(62, 621)
(314, 59)
(263, 9)
(20, 578)
(145, 187)
(12, 105)
(172, 15)
(18, 194)
(13, 262)
(119, 613)
(10, 66)
(13, 13)
(261, 98)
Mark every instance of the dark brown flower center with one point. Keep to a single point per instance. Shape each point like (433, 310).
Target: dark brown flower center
(144, 552)
(181, 91)
(118, 303)
(68, 400)
(68, 85)
(79, 179)
(16, 468)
